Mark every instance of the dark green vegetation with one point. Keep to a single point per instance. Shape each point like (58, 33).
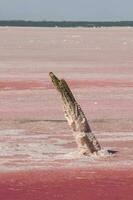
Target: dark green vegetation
(64, 23)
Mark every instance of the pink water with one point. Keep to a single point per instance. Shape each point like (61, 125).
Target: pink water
(38, 155)
(66, 184)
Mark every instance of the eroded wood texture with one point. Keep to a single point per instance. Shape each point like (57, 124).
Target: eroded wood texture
(85, 139)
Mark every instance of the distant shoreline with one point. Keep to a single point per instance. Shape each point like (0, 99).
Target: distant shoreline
(23, 23)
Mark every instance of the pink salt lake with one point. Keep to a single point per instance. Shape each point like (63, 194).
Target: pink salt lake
(38, 155)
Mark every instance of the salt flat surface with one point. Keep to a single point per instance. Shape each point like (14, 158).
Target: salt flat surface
(97, 63)
(37, 149)
(20, 151)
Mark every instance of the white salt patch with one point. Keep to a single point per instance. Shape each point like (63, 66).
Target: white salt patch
(31, 41)
(98, 48)
(116, 136)
(124, 43)
(9, 132)
(76, 36)
(21, 150)
(103, 153)
(71, 155)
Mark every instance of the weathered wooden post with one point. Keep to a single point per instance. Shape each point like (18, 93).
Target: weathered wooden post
(85, 139)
